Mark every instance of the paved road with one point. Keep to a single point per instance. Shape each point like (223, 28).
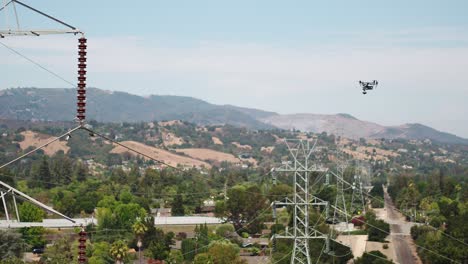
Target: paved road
(400, 234)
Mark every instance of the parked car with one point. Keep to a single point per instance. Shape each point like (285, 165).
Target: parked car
(38, 250)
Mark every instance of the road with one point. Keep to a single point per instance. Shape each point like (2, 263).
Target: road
(405, 250)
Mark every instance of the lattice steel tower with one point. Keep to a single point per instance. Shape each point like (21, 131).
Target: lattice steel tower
(302, 200)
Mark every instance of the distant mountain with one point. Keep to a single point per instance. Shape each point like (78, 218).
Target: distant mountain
(418, 131)
(106, 106)
(339, 124)
(351, 127)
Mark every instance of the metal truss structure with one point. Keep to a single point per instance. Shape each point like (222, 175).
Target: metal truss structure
(358, 204)
(8, 191)
(10, 5)
(302, 201)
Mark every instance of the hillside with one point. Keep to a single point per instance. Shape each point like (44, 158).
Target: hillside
(105, 106)
(351, 127)
(163, 155)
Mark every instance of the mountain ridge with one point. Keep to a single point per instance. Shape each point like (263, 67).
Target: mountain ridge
(58, 104)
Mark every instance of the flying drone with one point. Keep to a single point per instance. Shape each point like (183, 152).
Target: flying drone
(366, 86)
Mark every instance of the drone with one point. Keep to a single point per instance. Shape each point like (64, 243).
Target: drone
(368, 85)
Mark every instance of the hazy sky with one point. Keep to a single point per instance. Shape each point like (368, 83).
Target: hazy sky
(283, 56)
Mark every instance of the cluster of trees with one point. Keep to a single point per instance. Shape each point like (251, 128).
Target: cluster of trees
(439, 199)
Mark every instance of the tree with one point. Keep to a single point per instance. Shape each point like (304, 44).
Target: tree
(12, 260)
(100, 253)
(244, 204)
(279, 191)
(32, 235)
(80, 172)
(139, 228)
(30, 213)
(119, 251)
(224, 230)
(61, 168)
(203, 258)
(378, 230)
(373, 257)
(44, 177)
(114, 214)
(59, 252)
(157, 250)
(224, 252)
(157, 243)
(188, 248)
(178, 206)
(11, 244)
(175, 257)
(201, 236)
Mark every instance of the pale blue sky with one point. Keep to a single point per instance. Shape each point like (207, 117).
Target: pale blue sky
(283, 56)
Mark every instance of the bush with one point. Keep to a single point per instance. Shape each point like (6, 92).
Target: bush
(224, 230)
(378, 230)
(377, 203)
(373, 257)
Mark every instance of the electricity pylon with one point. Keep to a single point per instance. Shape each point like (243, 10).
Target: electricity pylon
(357, 199)
(302, 201)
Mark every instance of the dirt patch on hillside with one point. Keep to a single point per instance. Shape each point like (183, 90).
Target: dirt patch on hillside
(209, 154)
(33, 139)
(171, 139)
(170, 123)
(240, 146)
(268, 150)
(278, 140)
(159, 154)
(366, 153)
(217, 141)
(378, 151)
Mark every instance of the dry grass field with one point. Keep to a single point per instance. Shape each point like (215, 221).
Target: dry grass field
(33, 139)
(166, 156)
(209, 154)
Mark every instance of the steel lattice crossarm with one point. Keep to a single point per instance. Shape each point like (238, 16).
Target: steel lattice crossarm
(314, 200)
(18, 31)
(288, 166)
(7, 189)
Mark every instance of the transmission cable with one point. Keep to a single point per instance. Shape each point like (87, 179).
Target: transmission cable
(37, 64)
(41, 146)
(397, 237)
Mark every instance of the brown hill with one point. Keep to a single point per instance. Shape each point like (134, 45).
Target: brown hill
(159, 154)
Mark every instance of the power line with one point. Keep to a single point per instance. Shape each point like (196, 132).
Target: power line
(41, 146)
(38, 64)
(397, 237)
(131, 149)
(397, 210)
(435, 229)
